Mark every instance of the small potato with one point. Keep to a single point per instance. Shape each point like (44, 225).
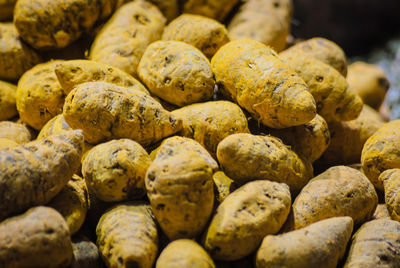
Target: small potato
(37, 238)
(321, 244)
(6, 9)
(86, 254)
(176, 72)
(16, 132)
(245, 157)
(381, 212)
(8, 108)
(215, 9)
(201, 32)
(223, 186)
(391, 184)
(245, 217)
(127, 236)
(339, 191)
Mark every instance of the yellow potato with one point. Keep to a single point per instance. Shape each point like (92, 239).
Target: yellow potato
(16, 132)
(8, 107)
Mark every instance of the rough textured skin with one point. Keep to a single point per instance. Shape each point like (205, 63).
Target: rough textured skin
(72, 203)
(169, 8)
(209, 123)
(267, 21)
(180, 190)
(323, 50)
(105, 111)
(223, 186)
(37, 238)
(381, 152)
(124, 38)
(309, 141)
(216, 9)
(184, 253)
(176, 72)
(39, 95)
(245, 217)
(253, 75)
(75, 72)
(34, 173)
(381, 212)
(115, 170)
(8, 107)
(339, 191)
(391, 184)
(206, 34)
(7, 143)
(321, 244)
(335, 101)
(54, 24)
(16, 132)
(264, 158)
(86, 254)
(6, 9)
(375, 244)
(368, 81)
(127, 236)
(16, 57)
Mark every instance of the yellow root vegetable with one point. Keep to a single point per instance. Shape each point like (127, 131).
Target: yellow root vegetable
(8, 107)
(169, 8)
(381, 212)
(6, 143)
(16, 132)
(223, 186)
(215, 9)
(391, 184)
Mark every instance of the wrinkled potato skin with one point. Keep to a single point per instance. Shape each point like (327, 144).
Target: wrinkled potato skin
(34, 173)
(391, 184)
(381, 212)
(210, 122)
(16, 57)
(252, 74)
(86, 254)
(265, 158)
(37, 238)
(375, 244)
(176, 72)
(124, 38)
(6, 9)
(245, 217)
(321, 244)
(201, 32)
(339, 191)
(15, 132)
(223, 186)
(215, 9)
(8, 107)
(381, 152)
(127, 236)
(105, 111)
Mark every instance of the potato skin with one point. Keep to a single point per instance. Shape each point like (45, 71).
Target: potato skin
(127, 236)
(252, 74)
(339, 191)
(37, 238)
(8, 107)
(169, 8)
(105, 111)
(56, 125)
(34, 173)
(245, 217)
(7, 143)
(265, 158)
(321, 244)
(16, 132)
(381, 212)
(86, 254)
(215, 9)
(223, 186)
(391, 184)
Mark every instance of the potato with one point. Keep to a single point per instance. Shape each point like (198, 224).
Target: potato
(56, 125)
(375, 244)
(215, 9)
(16, 57)
(264, 158)
(6, 9)
(7, 143)
(8, 107)
(321, 244)
(381, 212)
(176, 72)
(16, 132)
(34, 173)
(245, 217)
(124, 38)
(253, 75)
(206, 34)
(391, 184)
(335, 101)
(105, 111)
(381, 152)
(86, 254)
(210, 122)
(127, 236)
(169, 8)
(339, 191)
(223, 186)
(309, 141)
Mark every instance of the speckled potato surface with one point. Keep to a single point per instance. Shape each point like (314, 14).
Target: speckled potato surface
(245, 217)
(252, 74)
(176, 72)
(34, 173)
(206, 34)
(16, 56)
(37, 238)
(8, 107)
(321, 244)
(105, 111)
(124, 38)
(339, 191)
(223, 186)
(7, 9)
(391, 184)
(216, 9)
(127, 236)
(264, 158)
(16, 132)
(210, 122)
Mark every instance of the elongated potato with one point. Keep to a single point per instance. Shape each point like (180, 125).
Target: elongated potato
(264, 158)
(223, 186)
(86, 254)
(105, 111)
(321, 244)
(253, 75)
(391, 184)
(127, 236)
(6, 9)
(245, 217)
(8, 107)
(339, 191)
(216, 9)
(381, 212)
(16, 132)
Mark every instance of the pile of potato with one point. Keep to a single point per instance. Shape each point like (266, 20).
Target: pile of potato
(189, 134)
